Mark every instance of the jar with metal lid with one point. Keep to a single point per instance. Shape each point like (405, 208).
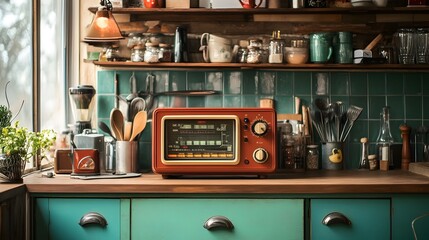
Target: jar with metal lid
(276, 48)
(112, 53)
(165, 52)
(152, 53)
(254, 55)
(137, 54)
(255, 43)
(312, 157)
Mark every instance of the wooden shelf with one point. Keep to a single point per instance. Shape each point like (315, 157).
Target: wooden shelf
(266, 66)
(204, 11)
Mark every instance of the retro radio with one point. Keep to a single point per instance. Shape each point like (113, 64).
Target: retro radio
(223, 141)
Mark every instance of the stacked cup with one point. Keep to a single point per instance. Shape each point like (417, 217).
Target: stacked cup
(412, 45)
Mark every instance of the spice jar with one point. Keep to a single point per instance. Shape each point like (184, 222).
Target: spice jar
(312, 157)
(242, 51)
(373, 163)
(165, 52)
(152, 53)
(137, 54)
(254, 55)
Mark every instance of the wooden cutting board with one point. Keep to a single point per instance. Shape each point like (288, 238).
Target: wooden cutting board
(420, 168)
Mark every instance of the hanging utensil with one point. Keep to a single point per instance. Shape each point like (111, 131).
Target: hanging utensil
(139, 124)
(117, 124)
(352, 114)
(133, 88)
(137, 104)
(103, 126)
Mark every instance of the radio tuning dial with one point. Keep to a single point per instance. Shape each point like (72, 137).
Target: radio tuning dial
(260, 155)
(260, 128)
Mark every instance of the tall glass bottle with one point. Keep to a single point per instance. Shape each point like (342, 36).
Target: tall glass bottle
(385, 139)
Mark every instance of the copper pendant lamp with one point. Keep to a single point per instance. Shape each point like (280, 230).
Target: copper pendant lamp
(104, 29)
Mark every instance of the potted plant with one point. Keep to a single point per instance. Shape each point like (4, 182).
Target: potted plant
(18, 145)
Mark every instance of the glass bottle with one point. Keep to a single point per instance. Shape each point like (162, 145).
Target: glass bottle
(299, 148)
(287, 146)
(364, 162)
(385, 139)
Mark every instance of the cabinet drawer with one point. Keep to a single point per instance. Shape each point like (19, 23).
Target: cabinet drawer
(60, 218)
(369, 219)
(176, 219)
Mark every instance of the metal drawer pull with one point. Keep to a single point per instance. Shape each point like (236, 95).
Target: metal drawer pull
(218, 222)
(93, 218)
(336, 218)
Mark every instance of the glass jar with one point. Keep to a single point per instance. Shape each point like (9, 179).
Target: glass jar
(276, 49)
(134, 39)
(312, 157)
(112, 53)
(137, 54)
(152, 53)
(254, 55)
(166, 52)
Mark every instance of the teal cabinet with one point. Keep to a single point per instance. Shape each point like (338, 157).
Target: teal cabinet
(80, 218)
(351, 219)
(234, 219)
(406, 209)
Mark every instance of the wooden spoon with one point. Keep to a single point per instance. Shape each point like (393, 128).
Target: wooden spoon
(127, 130)
(139, 124)
(117, 124)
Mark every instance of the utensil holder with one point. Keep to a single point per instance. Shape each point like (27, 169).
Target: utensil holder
(126, 157)
(332, 155)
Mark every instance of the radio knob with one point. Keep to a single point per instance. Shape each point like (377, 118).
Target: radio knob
(260, 128)
(260, 155)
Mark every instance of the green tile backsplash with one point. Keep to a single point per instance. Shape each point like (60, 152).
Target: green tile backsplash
(406, 93)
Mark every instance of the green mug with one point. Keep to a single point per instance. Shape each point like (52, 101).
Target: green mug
(320, 47)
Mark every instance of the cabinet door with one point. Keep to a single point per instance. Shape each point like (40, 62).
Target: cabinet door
(184, 219)
(405, 210)
(69, 218)
(351, 219)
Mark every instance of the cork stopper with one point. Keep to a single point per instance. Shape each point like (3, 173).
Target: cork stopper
(364, 140)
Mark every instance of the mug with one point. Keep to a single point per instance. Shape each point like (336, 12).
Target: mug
(320, 47)
(153, 3)
(250, 3)
(218, 49)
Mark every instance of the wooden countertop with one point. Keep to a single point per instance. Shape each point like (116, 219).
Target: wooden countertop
(8, 190)
(317, 182)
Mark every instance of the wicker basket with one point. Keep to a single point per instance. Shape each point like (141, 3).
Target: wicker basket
(11, 168)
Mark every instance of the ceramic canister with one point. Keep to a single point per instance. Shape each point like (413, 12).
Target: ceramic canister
(321, 49)
(218, 49)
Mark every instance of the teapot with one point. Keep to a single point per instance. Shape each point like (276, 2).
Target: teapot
(250, 3)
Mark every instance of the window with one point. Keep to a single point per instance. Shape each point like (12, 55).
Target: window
(41, 84)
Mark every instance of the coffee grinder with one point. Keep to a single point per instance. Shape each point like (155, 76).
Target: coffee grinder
(82, 105)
